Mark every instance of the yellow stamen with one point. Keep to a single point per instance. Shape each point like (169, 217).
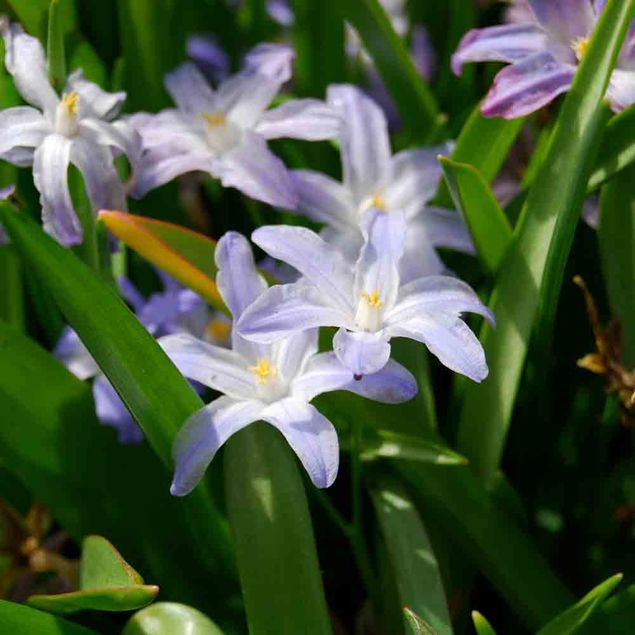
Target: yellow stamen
(218, 330)
(263, 370)
(214, 119)
(378, 202)
(580, 46)
(372, 299)
(70, 100)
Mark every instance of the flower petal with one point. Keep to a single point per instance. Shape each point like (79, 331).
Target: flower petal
(446, 228)
(95, 101)
(505, 43)
(323, 199)
(70, 350)
(414, 180)
(362, 353)
(24, 58)
(21, 128)
(311, 436)
(271, 60)
(565, 20)
(190, 90)
(621, 90)
(432, 294)
(320, 263)
(291, 353)
(364, 138)
(450, 339)
(377, 268)
(208, 56)
(112, 411)
(527, 86)
(50, 175)
(309, 119)
(121, 136)
(203, 434)
(103, 185)
(254, 170)
(287, 308)
(325, 373)
(238, 281)
(218, 368)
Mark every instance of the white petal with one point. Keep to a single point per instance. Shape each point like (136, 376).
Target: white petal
(93, 99)
(50, 175)
(21, 128)
(308, 119)
(190, 90)
(70, 350)
(292, 353)
(362, 353)
(202, 435)
(311, 436)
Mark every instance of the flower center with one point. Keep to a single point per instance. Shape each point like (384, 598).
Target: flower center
(66, 116)
(222, 134)
(580, 46)
(369, 311)
(376, 201)
(268, 385)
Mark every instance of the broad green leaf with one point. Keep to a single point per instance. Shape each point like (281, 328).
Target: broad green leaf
(617, 149)
(65, 457)
(12, 296)
(485, 144)
(186, 255)
(456, 500)
(165, 618)
(412, 95)
(530, 276)
(154, 391)
(103, 566)
(482, 626)
(18, 619)
(271, 525)
(405, 447)
(414, 563)
(55, 45)
(616, 235)
(417, 625)
(488, 225)
(574, 618)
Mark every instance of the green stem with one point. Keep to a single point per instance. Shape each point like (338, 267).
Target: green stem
(12, 296)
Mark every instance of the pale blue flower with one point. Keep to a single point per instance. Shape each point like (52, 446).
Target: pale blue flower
(77, 129)
(544, 52)
(209, 56)
(368, 301)
(374, 178)
(224, 132)
(268, 382)
(173, 310)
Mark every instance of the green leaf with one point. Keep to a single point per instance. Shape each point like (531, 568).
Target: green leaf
(494, 544)
(485, 144)
(617, 149)
(405, 447)
(482, 626)
(55, 46)
(416, 625)
(103, 566)
(414, 563)
(616, 235)
(186, 255)
(33, 14)
(18, 619)
(614, 616)
(170, 618)
(12, 296)
(574, 618)
(271, 525)
(154, 391)
(65, 458)
(488, 225)
(530, 277)
(417, 106)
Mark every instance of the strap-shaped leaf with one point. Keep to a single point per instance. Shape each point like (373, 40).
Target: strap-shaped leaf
(530, 277)
(414, 563)
(482, 626)
(151, 387)
(18, 618)
(416, 624)
(574, 618)
(488, 225)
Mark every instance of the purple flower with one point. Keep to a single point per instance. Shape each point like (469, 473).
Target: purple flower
(374, 178)
(543, 54)
(75, 129)
(174, 310)
(367, 301)
(208, 55)
(224, 132)
(269, 382)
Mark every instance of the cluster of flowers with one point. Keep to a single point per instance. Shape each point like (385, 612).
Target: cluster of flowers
(373, 272)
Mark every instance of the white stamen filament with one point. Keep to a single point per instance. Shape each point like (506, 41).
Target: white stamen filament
(268, 384)
(66, 119)
(222, 134)
(369, 312)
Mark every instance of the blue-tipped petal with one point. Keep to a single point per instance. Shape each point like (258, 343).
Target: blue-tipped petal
(362, 353)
